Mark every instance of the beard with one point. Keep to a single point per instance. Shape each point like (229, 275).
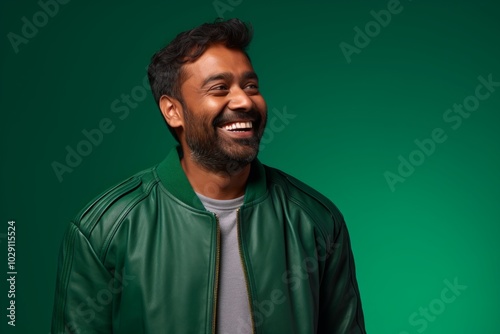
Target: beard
(219, 153)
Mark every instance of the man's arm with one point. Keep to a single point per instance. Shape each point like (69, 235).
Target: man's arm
(84, 289)
(340, 303)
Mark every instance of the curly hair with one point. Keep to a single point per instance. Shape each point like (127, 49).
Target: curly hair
(165, 70)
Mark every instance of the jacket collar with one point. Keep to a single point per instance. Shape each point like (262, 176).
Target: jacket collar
(175, 180)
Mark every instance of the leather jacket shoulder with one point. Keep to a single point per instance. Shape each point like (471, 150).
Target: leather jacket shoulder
(323, 212)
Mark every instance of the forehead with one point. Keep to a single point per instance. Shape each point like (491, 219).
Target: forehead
(217, 59)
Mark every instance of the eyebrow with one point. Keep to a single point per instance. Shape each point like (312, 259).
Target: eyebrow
(227, 76)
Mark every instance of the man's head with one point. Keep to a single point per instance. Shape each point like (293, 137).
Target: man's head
(208, 93)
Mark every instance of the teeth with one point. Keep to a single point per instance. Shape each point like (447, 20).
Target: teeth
(238, 125)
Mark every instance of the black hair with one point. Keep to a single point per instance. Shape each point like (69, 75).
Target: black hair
(165, 70)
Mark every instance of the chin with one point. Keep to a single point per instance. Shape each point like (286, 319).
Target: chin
(244, 155)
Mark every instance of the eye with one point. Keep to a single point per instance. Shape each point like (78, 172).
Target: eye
(219, 87)
(252, 87)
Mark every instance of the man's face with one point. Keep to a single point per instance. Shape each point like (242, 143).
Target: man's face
(224, 112)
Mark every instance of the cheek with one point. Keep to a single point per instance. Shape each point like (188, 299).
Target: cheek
(211, 103)
(208, 110)
(262, 107)
(260, 102)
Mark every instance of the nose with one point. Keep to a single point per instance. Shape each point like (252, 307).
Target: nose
(239, 100)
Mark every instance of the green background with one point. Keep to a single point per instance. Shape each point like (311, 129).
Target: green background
(352, 122)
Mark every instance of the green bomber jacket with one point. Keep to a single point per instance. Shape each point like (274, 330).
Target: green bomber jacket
(143, 257)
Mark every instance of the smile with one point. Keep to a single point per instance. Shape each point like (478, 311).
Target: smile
(238, 126)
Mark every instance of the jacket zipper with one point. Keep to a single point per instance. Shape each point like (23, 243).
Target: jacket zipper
(244, 269)
(216, 285)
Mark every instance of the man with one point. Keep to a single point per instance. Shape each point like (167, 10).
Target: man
(210, 240)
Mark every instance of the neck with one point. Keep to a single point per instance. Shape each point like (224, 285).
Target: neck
(216, 185)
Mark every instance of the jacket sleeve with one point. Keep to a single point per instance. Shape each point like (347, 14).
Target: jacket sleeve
(340, 302)
(84, 289)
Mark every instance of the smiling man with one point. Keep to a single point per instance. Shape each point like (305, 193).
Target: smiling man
(210, 240)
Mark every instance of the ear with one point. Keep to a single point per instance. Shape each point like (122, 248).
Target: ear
(171, 110)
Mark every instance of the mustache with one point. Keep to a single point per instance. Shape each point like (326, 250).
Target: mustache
(233, 116)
